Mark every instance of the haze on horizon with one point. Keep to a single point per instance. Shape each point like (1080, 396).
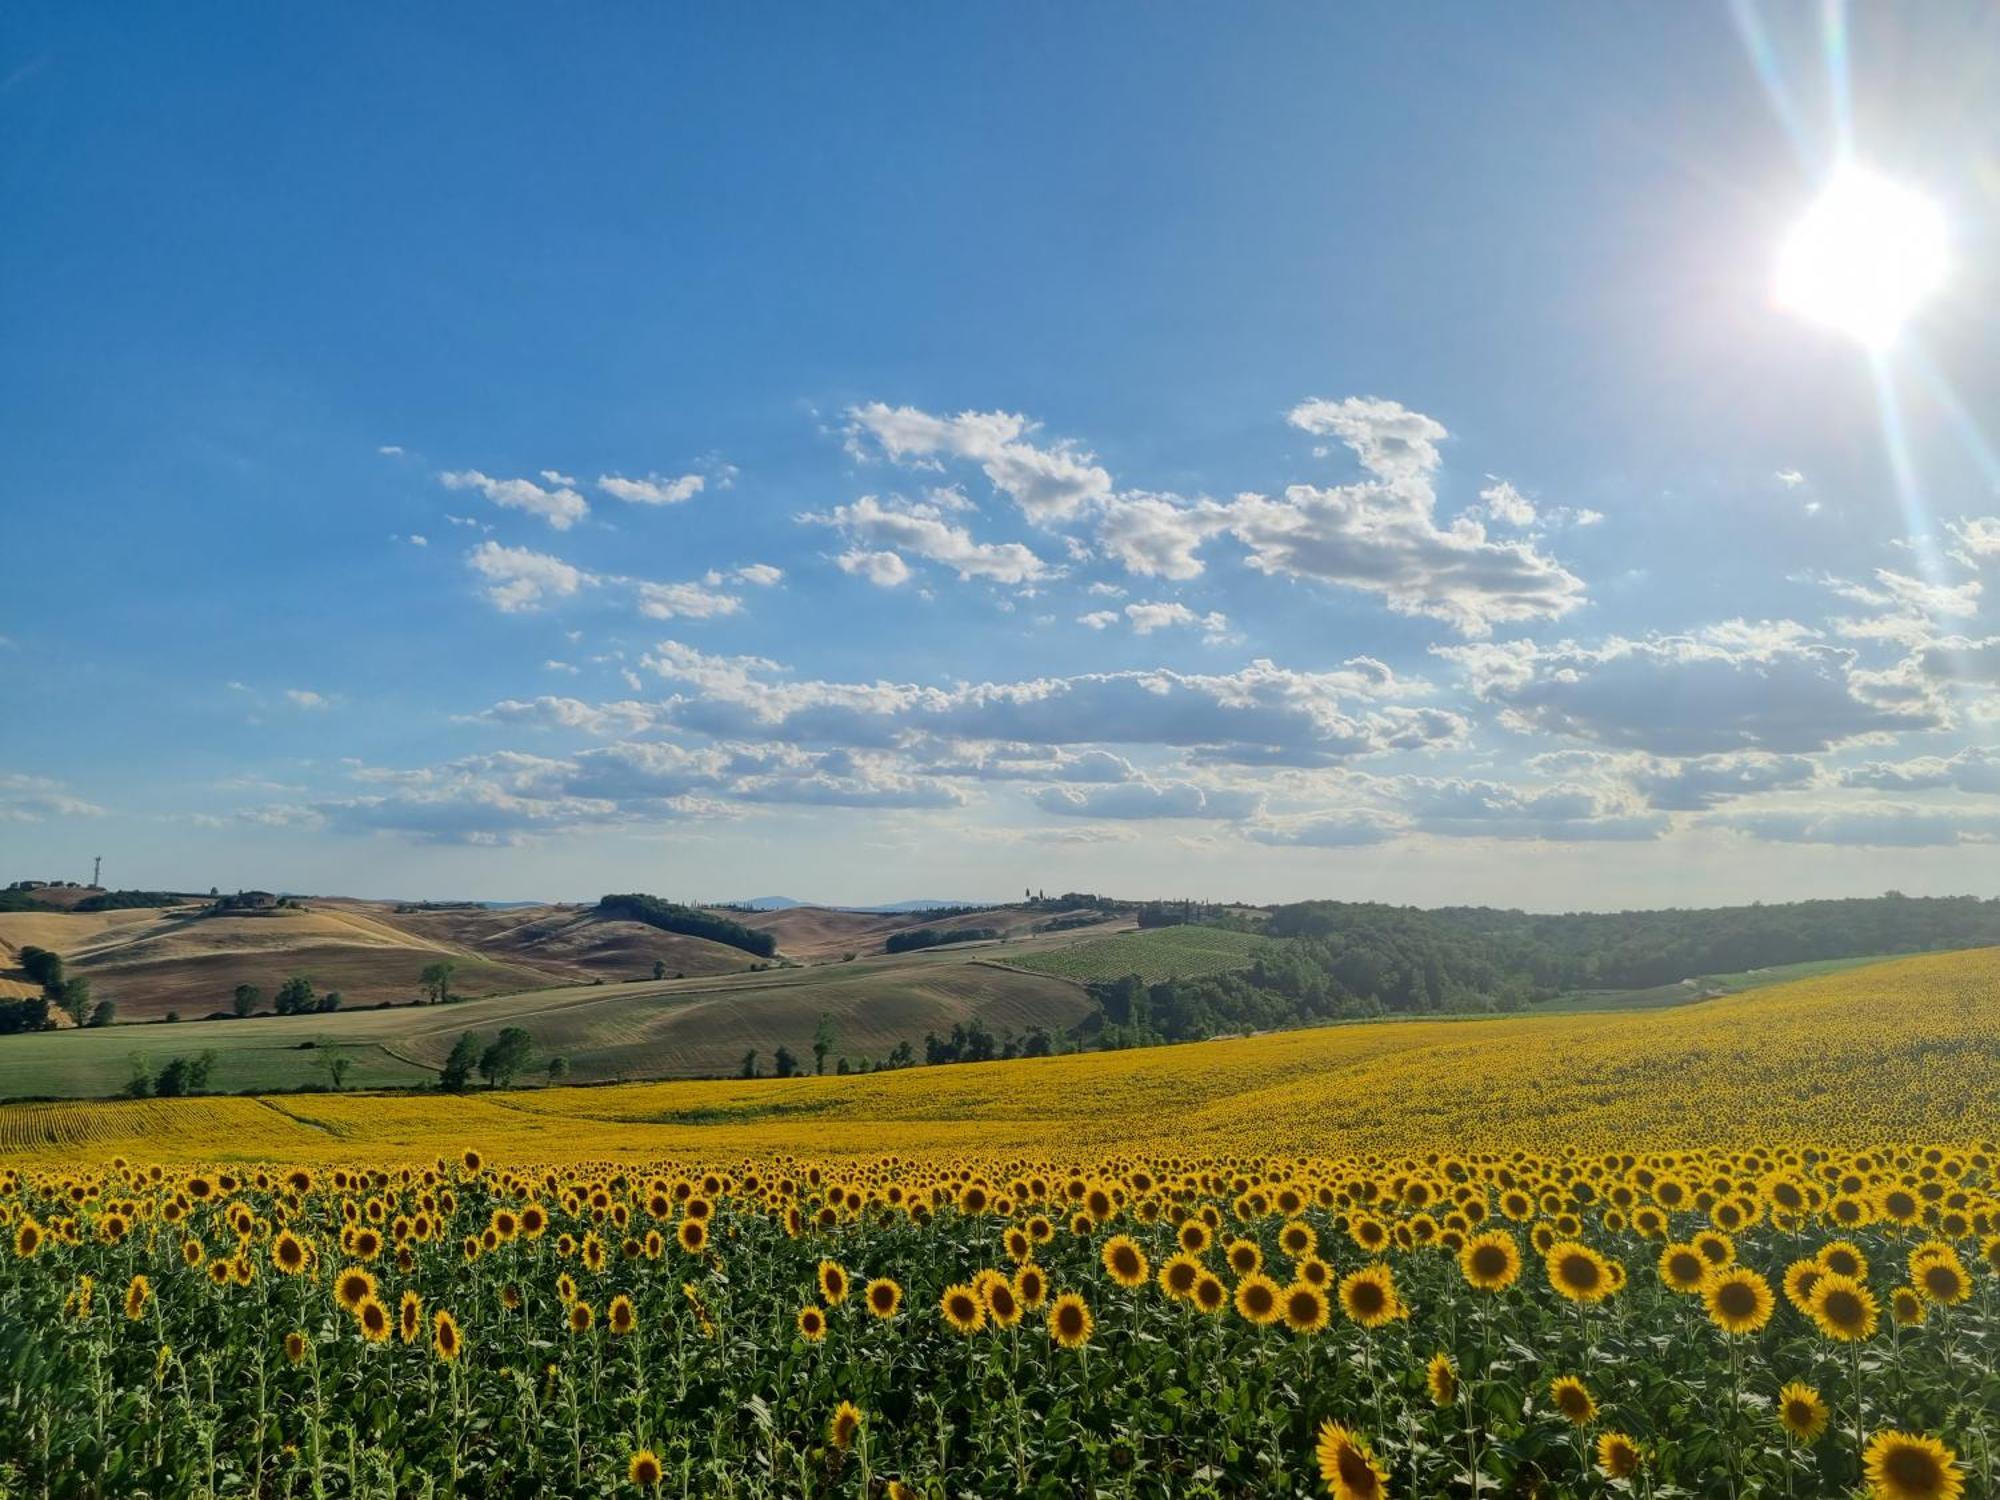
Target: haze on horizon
(897, 455)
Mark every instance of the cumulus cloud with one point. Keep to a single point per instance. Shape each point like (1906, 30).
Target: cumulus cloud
(549, 712)
(1147, 799)
(1766, 685)
(654, 489)
(886, 570)
(1147, 618)
(918, 528)
(559, 504)
(1704, 781)
(1048, 482)
(1973, 769)
(1156, 537)
(759, 575)
(1886, 827)
(1341, 830)
(30, 799)
(1262, 714)
(1458, 807)
(520, 579)
(694, 601)
(1508, 505)
(1976, 540)
(1382, 536)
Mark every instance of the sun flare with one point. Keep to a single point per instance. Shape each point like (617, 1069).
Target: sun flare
(1864, 257)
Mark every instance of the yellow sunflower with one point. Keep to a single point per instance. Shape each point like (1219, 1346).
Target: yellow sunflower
(884, 1297)
(1843, 1308)
(1070, 1322)
(1910, 1466)
(1490, 1261)
(1579, 1272)
(963, 1308)
(645, 1469)
(1347, 1464)
(1618, 1457)
(1573, 1399)
(811, 1323)
(845, 1423)
(1368, 1296)
(1441, 1379)
(1738, 1299)
(1801, 1411)
(1305, 1307)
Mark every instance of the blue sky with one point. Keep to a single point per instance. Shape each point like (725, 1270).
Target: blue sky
(867, 453)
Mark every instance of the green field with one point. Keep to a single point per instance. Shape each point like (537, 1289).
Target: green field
(1155, 954)
(1709, 986)
(649, 1029)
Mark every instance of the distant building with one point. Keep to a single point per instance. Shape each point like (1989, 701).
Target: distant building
(249, 901)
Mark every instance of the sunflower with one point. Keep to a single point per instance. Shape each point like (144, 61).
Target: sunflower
(1347, 1464)
(692, 1235)
(1800, 1278)
(883, 1296)
(1907, 1307)
(1002, 1306)
(1578, 1272)
(1491, 1261)
(289, 1253)
(374, 1320)
(811, 1322)
(1843, 1308)
(845, 1424)
(1441, 1379)
(409, 1316)
(1031, 1286)
(1618, 1457)
(27, 1238)
(1682, 1267)
(1124, 1261)
(1209, 1294)
(963, 1308)
(1305, 1307)
(832, 1282)
(446, 1342)
(352, 1287)
(1843, 1258)
(1801, 1411)
(1070, 1322)
(295, 1348)
(582, 1318)
(1738, 1299)
(1368, 1296)
(1908, 1466)
(1572, 1399)
(1257, 1299)
(1178, 1275)
(135, 1297)
(1715, 1247)
(619, 1316)
(1244, 1257)
(645, 1469)
(1942, 1279)
(1298, 1238)
(1193, 1236)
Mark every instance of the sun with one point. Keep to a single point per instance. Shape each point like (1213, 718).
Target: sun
(1865, 256)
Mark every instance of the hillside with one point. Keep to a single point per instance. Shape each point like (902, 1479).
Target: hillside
(1896, 1052)
(1155, 954)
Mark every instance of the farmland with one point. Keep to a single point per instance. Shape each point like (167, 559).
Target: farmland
(1023, 1279)
(1155, 954)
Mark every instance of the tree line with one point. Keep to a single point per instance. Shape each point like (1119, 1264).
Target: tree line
(689, 921)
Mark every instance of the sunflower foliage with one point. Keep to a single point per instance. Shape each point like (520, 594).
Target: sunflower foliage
(1740, 1321)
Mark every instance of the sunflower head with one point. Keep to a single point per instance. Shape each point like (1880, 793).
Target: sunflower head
(1347, 1464)
(844, 1424)
(1572, 1398)
(645, 1470)
(1070, 1322)
(1441, 1379)
(1911, 1466)
(1618, 1457)
(1801, 1412)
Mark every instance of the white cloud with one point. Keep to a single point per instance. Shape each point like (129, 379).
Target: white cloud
(390, 450)
(917, 528)
(1048, 483)
(1899, 591)
(654, 489)
(1156, 537)
(306, 698)
(1880, 827)
(1791, 479)
(553, 665)
(759, 575)
(1099, 619)
(1973, 769)
(1766, 685)
(1977, 539)
(562, 507)
(1341, 830)
(520, 579)
(31, 799)
(667, 601)
(554, 476)
(1148, 799)
(1459, 807)
(1147, 618)
(570, 713)
(1508, 505)
(416, 539)
(886, 570)
(1381, 535)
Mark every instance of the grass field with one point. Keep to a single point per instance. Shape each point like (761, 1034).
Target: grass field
(1707, 987)
(1896, 1051)
(647, 1029)
(1156, 954)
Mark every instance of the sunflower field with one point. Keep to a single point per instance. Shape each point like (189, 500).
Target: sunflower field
(1772, 1321)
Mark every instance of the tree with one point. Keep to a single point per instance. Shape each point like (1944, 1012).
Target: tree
(457, 1070)
(748, 1069)
(659, 968)
(73, 995)
(43, 967)
(329, 1002)
(184, 1075)
(294, 996)
(902, 1055)
(246, 999)
(783, 1064)
(436, 980)
(336, 1066)
(105, 1013)
(822, 1041)
(29, 1014)
(558, 1069)
(510, 1053)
